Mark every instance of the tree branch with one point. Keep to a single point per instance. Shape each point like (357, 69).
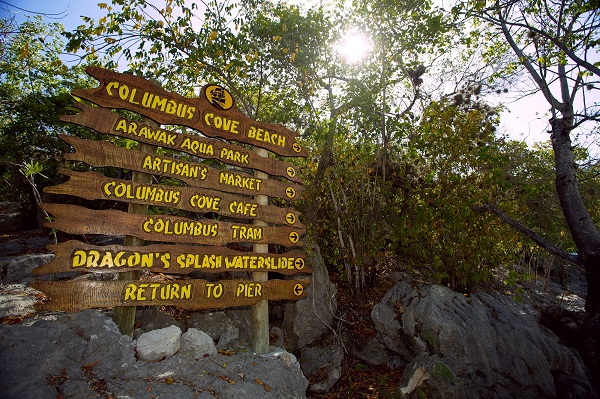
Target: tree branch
(541, 83)
(535, 237)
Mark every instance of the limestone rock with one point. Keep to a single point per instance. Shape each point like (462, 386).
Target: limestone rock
(277, 336)
(16, 300)
(151, 318)
(197, 343)
(323, 365)
(228, 337)
(85, 356)
(478, 346)
(17, 269)
(157, 344)
(312, 316)
(230, 328)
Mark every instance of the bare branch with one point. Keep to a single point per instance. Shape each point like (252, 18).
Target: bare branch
(535, 237)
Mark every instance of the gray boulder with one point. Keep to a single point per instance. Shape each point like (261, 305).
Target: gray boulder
(151, 318)
(323, 365)
(484, 345)
(197, 343)
(158, 344)
(17, 269)
(16, 300)
(311, 317)
(230, 328)
(83, 355)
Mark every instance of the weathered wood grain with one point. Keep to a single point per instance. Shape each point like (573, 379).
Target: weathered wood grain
(93, 185)
(137, 94)
(164, 258)
(107, 122)
(77, 295)
(75, 219)
(103, 154)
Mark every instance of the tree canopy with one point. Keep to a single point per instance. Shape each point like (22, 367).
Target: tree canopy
(406, 159)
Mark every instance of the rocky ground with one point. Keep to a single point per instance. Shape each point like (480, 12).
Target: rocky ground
(400, 338)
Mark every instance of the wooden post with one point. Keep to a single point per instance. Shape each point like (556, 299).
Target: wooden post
(260, 311)
(124, 316)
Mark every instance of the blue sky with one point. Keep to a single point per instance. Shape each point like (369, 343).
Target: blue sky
(69, 11)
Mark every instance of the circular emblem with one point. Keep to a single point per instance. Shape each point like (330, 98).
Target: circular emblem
(290, 218)
(291, 172)
(294, 237)
(218, 96)
(299, 263)
(290, 192)
(298, 289)
(296, 147)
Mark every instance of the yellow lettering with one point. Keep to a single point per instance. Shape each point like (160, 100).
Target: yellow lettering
(78, 258)
(130, 292)
(110, 86)
(140, 292)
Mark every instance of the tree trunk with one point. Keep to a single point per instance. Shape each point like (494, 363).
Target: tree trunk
(584, 232)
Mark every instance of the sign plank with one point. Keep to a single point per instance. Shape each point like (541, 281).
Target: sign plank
(103, 154)
(107, 122)
(137, 94)
(92, 186)
(77, 295)
(163, 258)
(75, 219)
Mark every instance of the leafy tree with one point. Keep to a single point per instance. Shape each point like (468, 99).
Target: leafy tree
(553, 41)
(34, 92)
(458, 163)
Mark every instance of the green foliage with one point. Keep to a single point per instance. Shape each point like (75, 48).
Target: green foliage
(457, 164)
(443, 372)
(31, 169)
(34, 88)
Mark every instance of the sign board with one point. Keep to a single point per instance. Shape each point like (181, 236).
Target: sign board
(214, 113)
(77, 295)
(92, 186)
(75, 219)
(163, 258)
(222, 191)
(107, 122)
(103, 154)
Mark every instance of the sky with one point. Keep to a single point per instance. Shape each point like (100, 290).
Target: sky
(525, 119)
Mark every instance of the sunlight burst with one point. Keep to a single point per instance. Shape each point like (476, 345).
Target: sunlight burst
(354, 46)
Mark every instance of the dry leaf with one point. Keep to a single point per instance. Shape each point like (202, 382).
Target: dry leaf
(89, 365)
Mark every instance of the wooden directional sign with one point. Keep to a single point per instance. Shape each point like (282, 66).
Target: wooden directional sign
(75, 219)
(107, 122)
(163, 258)
(92, 185)
(214, 113)
(103, 154)
(76, 295)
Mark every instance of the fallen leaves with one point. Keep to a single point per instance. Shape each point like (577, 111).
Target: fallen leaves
(229, 380)
(265, 386)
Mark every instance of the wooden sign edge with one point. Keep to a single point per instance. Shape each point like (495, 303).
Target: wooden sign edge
(64, 252)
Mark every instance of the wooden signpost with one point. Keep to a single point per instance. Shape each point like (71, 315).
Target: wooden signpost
(215, 115)
(212, 191)
(105, 121)
(75, 219)
(76, 295)
(92, 185)
(165, 258)
(102, 154)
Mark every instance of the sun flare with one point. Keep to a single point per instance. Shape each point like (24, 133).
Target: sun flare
(354, 46)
